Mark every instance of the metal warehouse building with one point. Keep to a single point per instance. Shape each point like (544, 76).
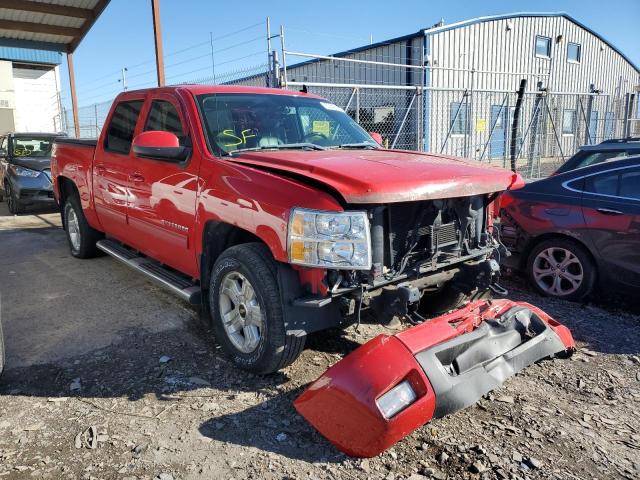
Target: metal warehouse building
(452, 88)
(29, 88)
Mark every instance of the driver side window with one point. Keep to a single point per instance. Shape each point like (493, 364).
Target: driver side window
(164, 116)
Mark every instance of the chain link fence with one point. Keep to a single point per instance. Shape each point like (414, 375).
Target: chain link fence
(469, 120)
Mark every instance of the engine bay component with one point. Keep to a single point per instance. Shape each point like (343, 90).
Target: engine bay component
(392, 385)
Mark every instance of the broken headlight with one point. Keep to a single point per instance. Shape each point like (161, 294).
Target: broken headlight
(329, 239)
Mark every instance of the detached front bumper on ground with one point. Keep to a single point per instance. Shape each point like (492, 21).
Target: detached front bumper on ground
(392, 385)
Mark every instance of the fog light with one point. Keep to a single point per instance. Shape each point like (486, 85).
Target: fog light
(396, 399)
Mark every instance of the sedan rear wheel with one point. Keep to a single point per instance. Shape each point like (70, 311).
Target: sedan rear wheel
(561, 268)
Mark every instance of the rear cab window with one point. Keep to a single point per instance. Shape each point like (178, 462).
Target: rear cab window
(122, 126)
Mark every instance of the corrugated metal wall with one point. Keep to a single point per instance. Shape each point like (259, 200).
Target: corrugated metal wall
(502, 52)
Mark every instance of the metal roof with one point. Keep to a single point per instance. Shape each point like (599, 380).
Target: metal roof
(56, 25)
(506, 16)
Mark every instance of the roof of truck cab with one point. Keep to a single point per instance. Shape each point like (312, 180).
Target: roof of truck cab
(204, 89)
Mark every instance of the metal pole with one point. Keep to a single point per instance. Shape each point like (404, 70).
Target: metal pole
(516, 122)
(74, 99)
(587, 135)
(553, 125)
(453, 122)
(404, 119)
(469, 105)
(275, 69)
(484, 150)
(588, 138)
(283, 84)
(357, 91)
(213, 62)
(268, 80)
(95, 111)
(124, 78)
(157, 35)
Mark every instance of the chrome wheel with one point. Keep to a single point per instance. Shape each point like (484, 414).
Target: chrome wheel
(240, 311)
(73, 229)
(558, 271)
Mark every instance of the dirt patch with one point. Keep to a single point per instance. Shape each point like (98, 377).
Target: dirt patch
(168, 404)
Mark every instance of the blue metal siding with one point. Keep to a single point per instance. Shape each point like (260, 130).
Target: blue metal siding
(29, 55)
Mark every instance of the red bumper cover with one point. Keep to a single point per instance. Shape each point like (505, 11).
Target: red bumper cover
(448, 362)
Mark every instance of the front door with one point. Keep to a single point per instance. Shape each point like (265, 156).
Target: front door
(497, 145)
(611, 208)
(111, 169)
(163, 194)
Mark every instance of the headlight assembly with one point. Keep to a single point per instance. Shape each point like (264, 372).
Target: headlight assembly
(26, 172)
(337, 240)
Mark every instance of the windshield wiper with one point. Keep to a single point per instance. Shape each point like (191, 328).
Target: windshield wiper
(358, 145)
(302, 145)
(284, 146)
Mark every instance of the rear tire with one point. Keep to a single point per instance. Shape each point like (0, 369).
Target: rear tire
(247, 312)
(561, 268)
(81, 236)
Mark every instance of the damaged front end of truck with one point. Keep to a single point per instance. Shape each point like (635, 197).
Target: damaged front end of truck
(392, 385)
(402, 262)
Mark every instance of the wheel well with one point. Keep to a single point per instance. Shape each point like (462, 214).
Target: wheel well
(66, 188)
(216, 238)
(533, 242)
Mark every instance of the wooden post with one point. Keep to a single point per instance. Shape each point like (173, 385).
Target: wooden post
(157, 32)
(74, 99)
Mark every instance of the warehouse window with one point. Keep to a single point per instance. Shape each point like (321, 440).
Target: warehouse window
(574, 52)
(543, 46)
(569, 122)
(458, 118)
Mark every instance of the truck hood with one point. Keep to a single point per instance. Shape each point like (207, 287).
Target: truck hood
(386, 176)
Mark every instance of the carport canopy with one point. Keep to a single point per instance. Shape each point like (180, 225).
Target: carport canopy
(57, 25)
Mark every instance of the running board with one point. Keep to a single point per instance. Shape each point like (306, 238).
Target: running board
(174, 282)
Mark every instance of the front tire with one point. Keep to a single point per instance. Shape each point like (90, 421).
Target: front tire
(561, 268)
(81, 236)
(247, 311)
(13, 204)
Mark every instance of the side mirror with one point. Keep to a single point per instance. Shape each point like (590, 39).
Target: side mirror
(377, 137)
(160, 145)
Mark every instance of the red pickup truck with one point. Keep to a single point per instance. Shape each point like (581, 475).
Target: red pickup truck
(277, 213)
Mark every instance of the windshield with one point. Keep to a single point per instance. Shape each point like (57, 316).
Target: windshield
(239, 122)
(32, 146)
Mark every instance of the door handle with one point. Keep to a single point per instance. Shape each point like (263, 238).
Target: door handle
(609, 211)
(136, 178)
(100, 169)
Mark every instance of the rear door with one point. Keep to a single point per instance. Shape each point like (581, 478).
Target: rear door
(163, 194)
(611, 209)
(111, 169)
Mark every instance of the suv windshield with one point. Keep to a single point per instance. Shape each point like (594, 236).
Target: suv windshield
(240, 122)
(32, 146)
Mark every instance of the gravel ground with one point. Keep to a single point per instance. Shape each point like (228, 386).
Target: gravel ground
(165, 404)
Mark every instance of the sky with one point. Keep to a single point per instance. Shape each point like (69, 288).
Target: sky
(123, 35)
